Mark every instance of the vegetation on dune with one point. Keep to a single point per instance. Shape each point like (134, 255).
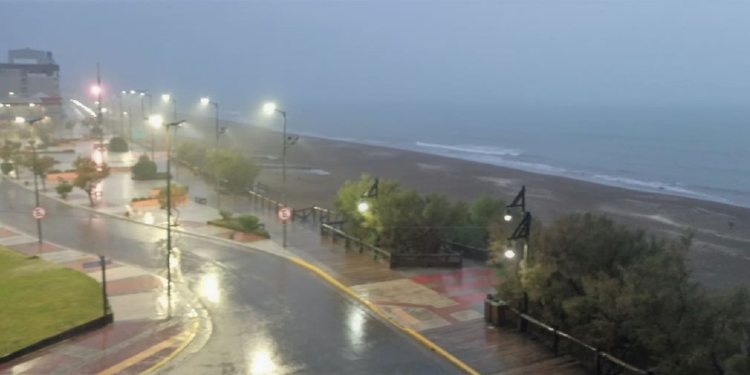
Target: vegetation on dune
(403, 220)
(630, 294)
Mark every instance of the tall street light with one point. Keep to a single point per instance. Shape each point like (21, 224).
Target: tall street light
(167, 98)
(35, 172)
(521, 232)
(157, 122)
(270, 109)
(97, 91)
(143, 95)
(205, 101)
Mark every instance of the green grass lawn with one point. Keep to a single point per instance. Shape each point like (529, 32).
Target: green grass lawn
(39, 299)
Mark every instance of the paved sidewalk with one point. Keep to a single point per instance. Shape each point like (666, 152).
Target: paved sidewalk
(445, 305)
(140, 336)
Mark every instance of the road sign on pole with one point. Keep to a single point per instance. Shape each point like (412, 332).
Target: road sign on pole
(285, 213)
(38, 213)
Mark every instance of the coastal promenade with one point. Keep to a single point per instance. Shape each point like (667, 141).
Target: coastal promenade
(140, 338)
(445, 306)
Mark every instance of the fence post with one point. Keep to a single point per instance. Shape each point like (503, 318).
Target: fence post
(104, 284)
(361, 248)
(555, 342)
(346, 243)
(598, 362)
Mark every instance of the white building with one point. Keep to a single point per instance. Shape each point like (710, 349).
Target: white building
(30, 85)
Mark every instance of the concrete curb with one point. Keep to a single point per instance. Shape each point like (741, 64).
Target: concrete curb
(304, 264)
(193, 332)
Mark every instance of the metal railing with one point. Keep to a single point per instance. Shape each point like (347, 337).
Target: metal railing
(350, 241)
(599, 362)
(471, 252)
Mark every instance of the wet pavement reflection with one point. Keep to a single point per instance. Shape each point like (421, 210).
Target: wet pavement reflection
(268, 315)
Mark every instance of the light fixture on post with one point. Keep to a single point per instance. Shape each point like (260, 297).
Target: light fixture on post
(157, 121)
(372, 192)
(521, 232)
(269, 109)
(35, 171)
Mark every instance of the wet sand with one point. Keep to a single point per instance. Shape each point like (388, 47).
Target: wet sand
(721, 252)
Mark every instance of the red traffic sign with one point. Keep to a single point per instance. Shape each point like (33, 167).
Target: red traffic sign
(285, 213)
(38, 213)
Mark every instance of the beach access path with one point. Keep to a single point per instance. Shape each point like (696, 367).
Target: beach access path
(445, 306)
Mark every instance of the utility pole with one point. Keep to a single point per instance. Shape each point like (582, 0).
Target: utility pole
(99, 107)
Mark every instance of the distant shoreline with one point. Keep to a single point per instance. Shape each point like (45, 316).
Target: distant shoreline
(720, 257)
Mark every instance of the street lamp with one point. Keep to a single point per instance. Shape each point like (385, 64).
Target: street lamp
(205, 101)
(96, 90)
(157, 121)
(269, 109)
(166, 98)
(521, 232)
(143, 95)
(372, 192)
(35, 171)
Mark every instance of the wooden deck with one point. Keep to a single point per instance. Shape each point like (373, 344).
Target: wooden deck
(502, 350)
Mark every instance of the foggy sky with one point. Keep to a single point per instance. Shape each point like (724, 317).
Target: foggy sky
(468, 54)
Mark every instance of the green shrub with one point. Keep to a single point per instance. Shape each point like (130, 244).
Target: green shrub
(248, 222)
(226, 214)
(144, 169)
(64, 188)
(6, 168)
(118, 144)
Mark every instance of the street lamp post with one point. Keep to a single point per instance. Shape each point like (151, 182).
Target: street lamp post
(97, 90)
(207, 101)
(143, 95)
(36, 175)
(270, 109)
(156, 121)
(521, 232)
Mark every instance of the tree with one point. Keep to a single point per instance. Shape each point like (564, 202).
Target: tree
(63, 189)
(630, 294)
(8, 151)
(229, 167)
(89, 175)
(191, 152)
(144, 169)
(399, 219)
(118, 144)
(179, 195)
(43, 165)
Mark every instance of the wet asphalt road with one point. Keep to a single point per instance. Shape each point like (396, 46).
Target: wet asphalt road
(268, 316)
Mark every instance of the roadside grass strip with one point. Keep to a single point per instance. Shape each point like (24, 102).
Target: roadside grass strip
(39, 299)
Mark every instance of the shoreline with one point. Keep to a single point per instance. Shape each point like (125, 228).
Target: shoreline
(720, 255)
(585, 176)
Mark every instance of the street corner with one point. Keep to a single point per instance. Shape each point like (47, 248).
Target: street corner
(152, 352)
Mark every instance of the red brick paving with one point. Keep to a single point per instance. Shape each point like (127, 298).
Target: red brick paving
(4, 232)
(132, 285)
(32, 248)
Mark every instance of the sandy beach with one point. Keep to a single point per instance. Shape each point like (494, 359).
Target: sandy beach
(720, 255)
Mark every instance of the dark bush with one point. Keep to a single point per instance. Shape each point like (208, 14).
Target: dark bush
(118, 144)
(64, 188)
(248, 222)
(6, 167)
(144, 169)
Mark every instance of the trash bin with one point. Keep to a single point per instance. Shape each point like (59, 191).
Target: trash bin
(494, 310)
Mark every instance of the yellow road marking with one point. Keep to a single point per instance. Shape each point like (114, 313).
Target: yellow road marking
(416, 335)
(153, 350)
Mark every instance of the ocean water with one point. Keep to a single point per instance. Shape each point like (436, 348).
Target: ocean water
(695, 152)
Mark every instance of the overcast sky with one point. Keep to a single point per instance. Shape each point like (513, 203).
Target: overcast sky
(358, 53)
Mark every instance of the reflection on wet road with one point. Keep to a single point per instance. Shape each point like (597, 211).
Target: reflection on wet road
(268, 316)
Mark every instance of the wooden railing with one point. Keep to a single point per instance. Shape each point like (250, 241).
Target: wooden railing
(599, 362)
(263, 203)
(350, 241)
(450, 260)
(474, 253)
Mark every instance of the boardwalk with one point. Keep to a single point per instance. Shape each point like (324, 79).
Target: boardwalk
(444, 305)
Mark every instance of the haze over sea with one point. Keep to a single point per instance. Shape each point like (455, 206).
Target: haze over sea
(650, 95)
(694, 152)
